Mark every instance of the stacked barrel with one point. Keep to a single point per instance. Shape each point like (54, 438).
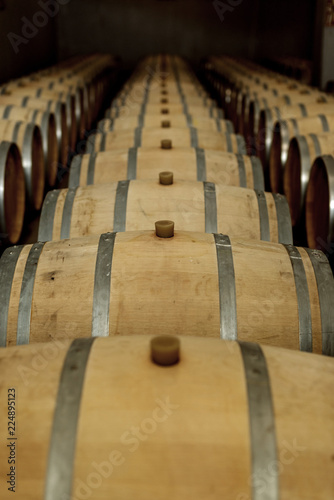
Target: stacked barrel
(44, 114)
(289, 126)
(166, 305)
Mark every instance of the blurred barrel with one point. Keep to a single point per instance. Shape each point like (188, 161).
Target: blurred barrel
(165, 110)
(29, 140)
(56, 107)
(320, 204)
(65, 97)
(284, 130)
(174, 121)
(46, 122)
(12, 192)
(303, 150)
(268, 115)
(224, 413)
(194, 206)
(188, 164)
(166, 139)
(209, 285)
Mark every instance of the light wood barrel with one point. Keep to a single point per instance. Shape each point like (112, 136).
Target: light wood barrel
(12, 192)
(176, 137)
(211, 421)
(61, 89)
(303, 150)
(114, 283)
(263, 136)
(189, 164)
(46, 122)
(158, 121)
(166, 111)
(65, 97)
(156, 98)
(193, 206)
(284, 130)
(269, 115)
(28, 138)
(59, 110)
(320, 204)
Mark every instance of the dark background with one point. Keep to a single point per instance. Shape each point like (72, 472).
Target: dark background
(133, 28)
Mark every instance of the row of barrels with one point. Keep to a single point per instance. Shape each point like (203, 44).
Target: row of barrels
(179, 399)
(44, 114)
(294, 140)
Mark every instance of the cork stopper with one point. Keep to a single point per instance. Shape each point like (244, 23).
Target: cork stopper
(164, 101)
(165, 350)
(166, 144)
(165, 124)
(164, 228)
(165, 111)
(166, 178)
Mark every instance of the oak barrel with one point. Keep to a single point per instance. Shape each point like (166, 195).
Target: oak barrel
(174, 121)
(303, 150)
(188, 164)
(56, 107)
(320, 204)
(12, 192)
(28, 138)
(46, 122)
(178, 137)
(193, 206)
(105, 420)
(115, 283)
(165, 110)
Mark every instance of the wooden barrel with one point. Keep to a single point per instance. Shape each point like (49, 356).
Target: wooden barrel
(303, 150)
(166, 139)
(118, 282)
(166, 111)
(193, 206)
(156, 98)
(263, 135)
(284, 130)
(269, 115)
(158, 121)
(320, 203)
(12, 192)
(189, 164)
(46, 122)
(62, 89)
(28, 138)
(59, 110)
(211, 421)
(65, 97)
